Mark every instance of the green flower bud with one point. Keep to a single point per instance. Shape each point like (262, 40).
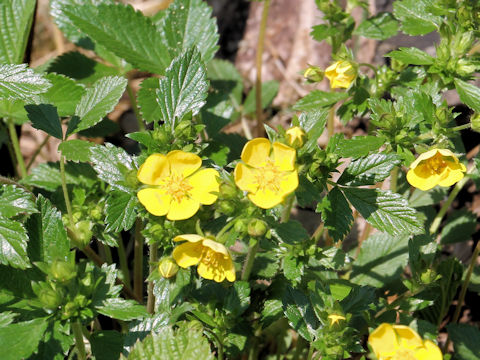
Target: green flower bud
(81, 233)
(296, 137)
(428, 276)
(63, 271)
(96, 212)
(475, 122)
(227, 190)
(257, 228)
(185, 129)
(69, 310)
(314, 74)
(225, 207)
(161, 135)
(465, 67)
(50, 298)
(240, 226)
(81, 301)
(167, 267)
(463, 42)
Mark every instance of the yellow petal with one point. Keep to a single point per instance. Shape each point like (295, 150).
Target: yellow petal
(153, 169)
(256, 152)
(289, 183)
(284, 156)
(216, 247)
(188, 237)
(421, 178)
(183, 163)
(450, 177)
(266, 199)
(446, 152)
(188, 254)
(156, 201)
(204, 184)
(426, 155)
(383, 340)
(228, 268)
(408, 338)
(246, 178)
(331, 71)
(429, 352)
(184, 209)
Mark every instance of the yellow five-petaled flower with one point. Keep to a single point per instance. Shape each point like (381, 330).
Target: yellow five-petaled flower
(341, 74)
(176, 186)
(399, 342)
(213, 259)
(435, 167)
(267, 173)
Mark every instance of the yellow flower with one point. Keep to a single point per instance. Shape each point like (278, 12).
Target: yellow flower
(267, 173)
(435, 167)
(341, 74)
(213, 259)
(335, 318)
(177, 186)
(399, 342)
(295, 137)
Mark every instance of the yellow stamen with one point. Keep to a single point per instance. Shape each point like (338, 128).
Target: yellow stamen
(176, 186)
(436, 164)
(269, 177)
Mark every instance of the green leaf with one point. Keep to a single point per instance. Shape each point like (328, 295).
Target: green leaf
(466, 341)
(291, 232)
(414, 17)
(181, 344)
(20, 82)
(313, 123)
(426, 198)
(411, 56)
(48, 238)
(15, 22)
(369, 170)
(106, 344)
(265, 265)
(385, 210)
(121, 309)
(99, 100)
(299, 312)
(238, 298)
(358, 146)
(271, 312)
(147, 100)
(16, 201)
(76, 150)
(13, 109)
(123, 31)
(57, 94)
(21, 339)
(469, 94)
(121, 210)
(269, 91)
(318, 99)
(336, 214)
(184, 87)
(381, 260)
(187, 24)
(293, 268)
(380, 27)
(359, 299)
(13, 244)
(459, 227)
(45, 117)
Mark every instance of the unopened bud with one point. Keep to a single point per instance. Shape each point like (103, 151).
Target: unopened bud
(475, 122)
(81, 233)
(314, 74)
(227, 190)
(257, 228)
(341, 74)
(63, 271)
(240, 226)
(167, 267)
(296, 137)
(226, 207)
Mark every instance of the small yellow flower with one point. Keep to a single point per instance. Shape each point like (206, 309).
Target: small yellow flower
(176, 185)
(435, 167)
(399, 342)
(341, 74)
(295, 137)
(267, 173)
(213, 259)
(335, 318)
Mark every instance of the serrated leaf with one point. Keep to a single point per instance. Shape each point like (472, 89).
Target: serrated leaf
(299, 312)
(426, 198)
(121, 309)
(13, 109)
(359, 299)
(20, 82)
(184, 87)
(469, 94)
(384, 210)
(187, 24)
(123, 31)
(466, 341)
(21, 339)
(121, 211)
(147, 99)
(414, 17)
(291, 232)
(48, 238)
(238, 298)
(76, 150)
(15, 22)
(269, 91)
(459, 227)
(45, 117)
(380, 27)
(336, 214)
(358, 146)
(13, 244)
(411, 56)
(369, 170)
(272, 311)
(381, 260)
(265, 265)
(99, 100)
(16, 201)
(56, 94)
(106, 344)
(293, 268)
(318, 99)
(313, 123)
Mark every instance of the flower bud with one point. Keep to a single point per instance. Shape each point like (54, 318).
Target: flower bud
(50, 298)
(240, 226)
(465, 67)
(161, 135)
(257, 228)
(463, 42)
(341, 74)
(131, 179)
(314, 74)
(96, 212)
(428, 276)
(167, 267)
(296, 137)
(227, 190)
(81, 233)
(225, 207)
(475, 122)
(185, 129)
(63, 271)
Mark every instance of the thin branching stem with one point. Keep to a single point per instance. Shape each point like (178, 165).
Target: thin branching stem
(153, 258)
(136, 110)
(247, 267)
(65, 190)
(123, 262)
(138, 260)
(22, 169)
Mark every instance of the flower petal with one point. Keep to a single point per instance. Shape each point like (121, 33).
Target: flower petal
(216, 247)
(408, 337)
(153, 169)
(212, 269)
(188, 254)
(430, 352)
(266, 199)
(229, 269)
(188, 237)
(383, 340)
(284, 156)
(424, 156)
(184, 209)
(183, 163)
(422, 178)
(450, 177)
(246, 178)
(156, 201)
(256, 152)
(289, 183)
(205, 183)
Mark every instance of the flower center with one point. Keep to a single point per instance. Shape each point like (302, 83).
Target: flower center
(404, 354)
(436, 164)
(269, 177)
(176, 186)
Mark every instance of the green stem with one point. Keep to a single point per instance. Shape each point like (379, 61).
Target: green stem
(394, 179)
(247, 267)
(331, 121)
(108, 254)
(65, 190)
(153, 258)
(461, 127)
(310, 352)
(37, 151)
(219, 343)
(16, 148)
(138, 260)
(287, 208)
(80, 345)
(123, 263)
(136, 110)
(225, 228)
(258, 81)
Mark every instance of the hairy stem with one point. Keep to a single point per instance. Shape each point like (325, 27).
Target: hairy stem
(65, 190)
(247, 267)
(37, 151)
(287, 208)
(138, 260)
(394, 179)
(16, 148)
(153, 258)
(79, 344)
(123, 263)
(331, 121)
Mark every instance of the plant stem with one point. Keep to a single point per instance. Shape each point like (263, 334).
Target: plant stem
(65, 190)
(331, 121)
(136, 110)
(153, 258)
(138, 260)
(37, 151)
(247, 267)
(310, 352)
(80, 345)
(123, 263)
(258, 81)
(287, 208)
(16, 148)
(461, 127)
(394, 179)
